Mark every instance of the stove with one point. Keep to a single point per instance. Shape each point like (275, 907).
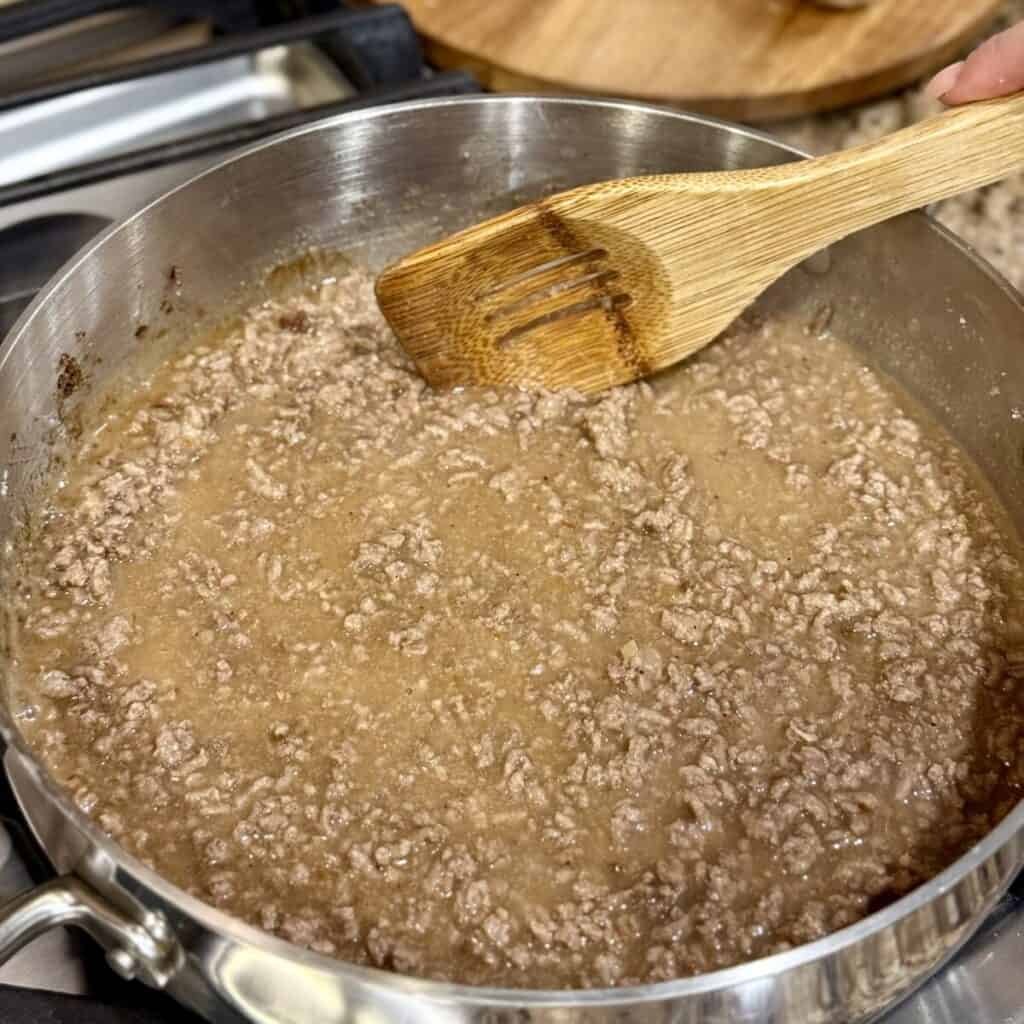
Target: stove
(186, 97)
(83, 150)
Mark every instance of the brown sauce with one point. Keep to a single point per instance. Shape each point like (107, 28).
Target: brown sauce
(524, 689)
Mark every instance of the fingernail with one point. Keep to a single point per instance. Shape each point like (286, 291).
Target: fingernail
(944, 81)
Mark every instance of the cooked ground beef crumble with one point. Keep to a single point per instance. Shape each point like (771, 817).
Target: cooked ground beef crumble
(525, 689)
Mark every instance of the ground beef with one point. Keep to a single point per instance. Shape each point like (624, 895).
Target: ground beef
(516, 688)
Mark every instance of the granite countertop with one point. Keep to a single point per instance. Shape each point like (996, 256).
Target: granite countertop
(990, 219)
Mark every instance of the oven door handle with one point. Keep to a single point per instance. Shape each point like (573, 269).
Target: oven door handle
(140, 947)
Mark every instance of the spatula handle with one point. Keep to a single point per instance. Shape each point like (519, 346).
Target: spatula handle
(955, 152)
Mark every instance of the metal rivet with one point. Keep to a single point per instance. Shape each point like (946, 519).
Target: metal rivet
(123, 963)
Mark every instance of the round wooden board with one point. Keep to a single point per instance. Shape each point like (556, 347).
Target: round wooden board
(747, 60)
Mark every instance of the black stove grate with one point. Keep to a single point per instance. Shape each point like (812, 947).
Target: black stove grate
(30, 1006)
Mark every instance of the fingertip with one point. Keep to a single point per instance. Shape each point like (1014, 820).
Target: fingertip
(996, 68)
(944, 81)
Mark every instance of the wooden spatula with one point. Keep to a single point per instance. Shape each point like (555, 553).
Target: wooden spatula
(607, 283)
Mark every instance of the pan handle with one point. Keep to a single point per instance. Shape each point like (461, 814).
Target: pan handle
(142, 947)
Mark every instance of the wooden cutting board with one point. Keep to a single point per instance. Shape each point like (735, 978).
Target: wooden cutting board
(747, 60)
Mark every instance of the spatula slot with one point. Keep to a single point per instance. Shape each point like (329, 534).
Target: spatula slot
(597, 278)
(556, 264)
(602, 303)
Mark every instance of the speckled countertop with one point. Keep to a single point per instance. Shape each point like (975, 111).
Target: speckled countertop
(991, 220)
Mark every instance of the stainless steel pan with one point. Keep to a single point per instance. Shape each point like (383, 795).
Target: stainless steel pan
(377, 183)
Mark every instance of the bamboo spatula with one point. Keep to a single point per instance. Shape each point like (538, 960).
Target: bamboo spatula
(606, 283)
